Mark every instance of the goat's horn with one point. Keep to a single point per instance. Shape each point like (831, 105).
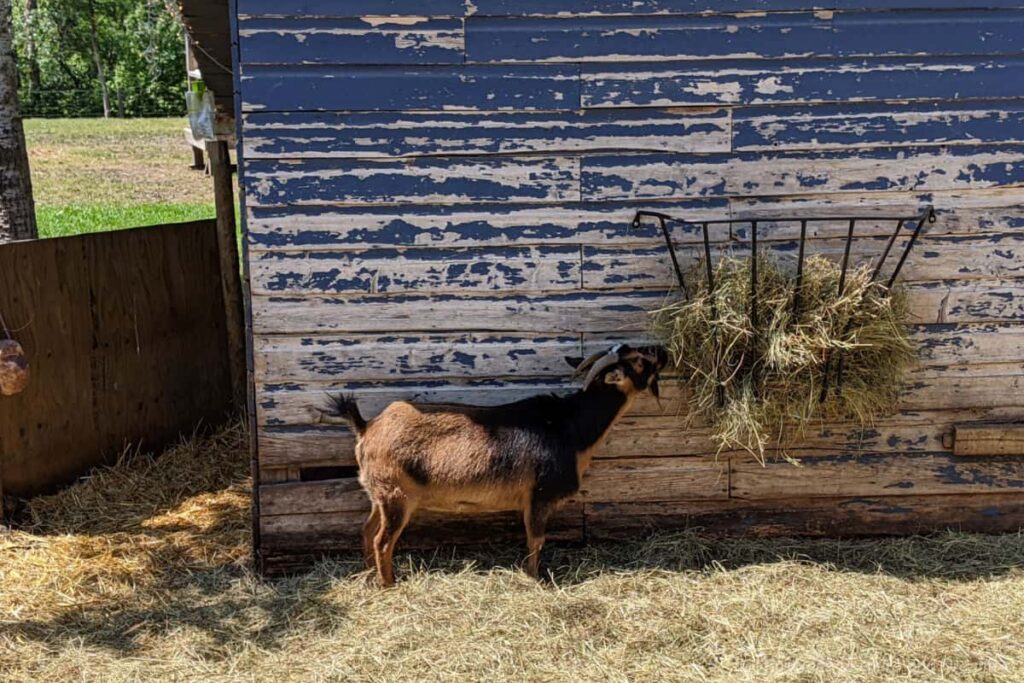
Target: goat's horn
(582, 367)
(608, 359)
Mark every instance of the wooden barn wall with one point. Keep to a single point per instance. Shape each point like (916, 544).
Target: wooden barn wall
(125, 337)
(439, 196)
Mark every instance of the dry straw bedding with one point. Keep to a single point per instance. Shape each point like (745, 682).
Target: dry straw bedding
(140, 574)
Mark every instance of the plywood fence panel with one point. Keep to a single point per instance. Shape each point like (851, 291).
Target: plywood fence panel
(125, 335)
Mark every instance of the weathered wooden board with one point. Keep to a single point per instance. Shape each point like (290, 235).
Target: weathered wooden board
(741, 36)
(379, 271)
(873, 475)
(661, 84)
(334, 8)
(995, 438)
(578, 8)
(384, 88)
(356, 358)
(652, 479)
(562, 8)
(124, 333)
(584, 311)
(849, 516)
(478, 225)
(341, 530)
(933, 258)
(292, 228)
(928, 388)
(426, 180)
(364, 40)
(667, 176)
(876, 125)
(412, 134)
(665, 435)
(360, 358)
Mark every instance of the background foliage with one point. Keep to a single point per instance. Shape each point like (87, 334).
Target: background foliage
(138, 43)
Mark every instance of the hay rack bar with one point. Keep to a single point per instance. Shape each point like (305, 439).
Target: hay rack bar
(915, 224)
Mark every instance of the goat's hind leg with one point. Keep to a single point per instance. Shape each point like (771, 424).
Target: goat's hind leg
(535, 517)
(370, 528)
(394, 515)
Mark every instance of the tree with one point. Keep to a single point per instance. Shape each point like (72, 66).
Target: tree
(17, 211)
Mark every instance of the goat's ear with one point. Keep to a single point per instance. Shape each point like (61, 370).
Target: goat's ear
(614, 376)
(653, 385)
(574, 361)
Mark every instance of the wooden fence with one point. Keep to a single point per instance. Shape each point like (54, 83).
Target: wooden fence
(125, 334)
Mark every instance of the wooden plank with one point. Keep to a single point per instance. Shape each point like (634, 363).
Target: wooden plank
(872, 474)
(230, 277)
(665, 435)
(825, 517)
(411, 134)
(356, 358)
(574, 312)
(656, 479)
(340, 531)
(384, 88)
(333, 8)
(876, 125)
(462, 226)
(933, 258)
(364, 40)
(741, 36)
(380, 271)
(426, 180)
(642, 176)
(663, 84)
(969, 386)
(293, 228)
(125, 335)
(337, 495)
(361, 358)
(578, 8)
(989, 439)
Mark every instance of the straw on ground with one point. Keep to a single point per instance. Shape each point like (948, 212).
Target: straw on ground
(141, 574)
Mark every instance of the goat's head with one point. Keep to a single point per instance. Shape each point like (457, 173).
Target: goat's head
(630, 369)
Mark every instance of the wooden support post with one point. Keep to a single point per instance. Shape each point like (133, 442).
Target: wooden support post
(197, 159)
(230, 276)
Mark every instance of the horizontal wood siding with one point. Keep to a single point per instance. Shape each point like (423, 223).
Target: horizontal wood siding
(439, 197)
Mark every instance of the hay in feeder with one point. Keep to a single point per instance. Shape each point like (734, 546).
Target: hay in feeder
(758, 387)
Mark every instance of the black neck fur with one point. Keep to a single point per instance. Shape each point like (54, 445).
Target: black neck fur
(588, 414)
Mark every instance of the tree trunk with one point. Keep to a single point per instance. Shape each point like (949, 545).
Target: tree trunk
(17, 211)
(35, 77)
(97, 58)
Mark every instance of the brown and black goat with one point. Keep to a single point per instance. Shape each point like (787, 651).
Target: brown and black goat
(527, 456)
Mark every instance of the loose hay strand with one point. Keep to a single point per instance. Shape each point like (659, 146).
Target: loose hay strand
(757, 388)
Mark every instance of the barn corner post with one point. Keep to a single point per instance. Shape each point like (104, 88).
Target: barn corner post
(231, 283)
(249, 396)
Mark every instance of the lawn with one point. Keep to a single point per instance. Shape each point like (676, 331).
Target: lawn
(141, 573)
(90, 175)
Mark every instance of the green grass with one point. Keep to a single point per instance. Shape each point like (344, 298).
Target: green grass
(77, 219)
(94, 175)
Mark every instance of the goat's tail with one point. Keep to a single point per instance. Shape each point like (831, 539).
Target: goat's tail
(346, 407)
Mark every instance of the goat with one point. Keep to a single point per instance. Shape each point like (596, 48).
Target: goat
(526, 456)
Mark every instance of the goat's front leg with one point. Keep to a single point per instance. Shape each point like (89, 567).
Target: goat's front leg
(535, 517)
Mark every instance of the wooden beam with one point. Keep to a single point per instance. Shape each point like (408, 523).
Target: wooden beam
(231, 282)
(989, 439)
